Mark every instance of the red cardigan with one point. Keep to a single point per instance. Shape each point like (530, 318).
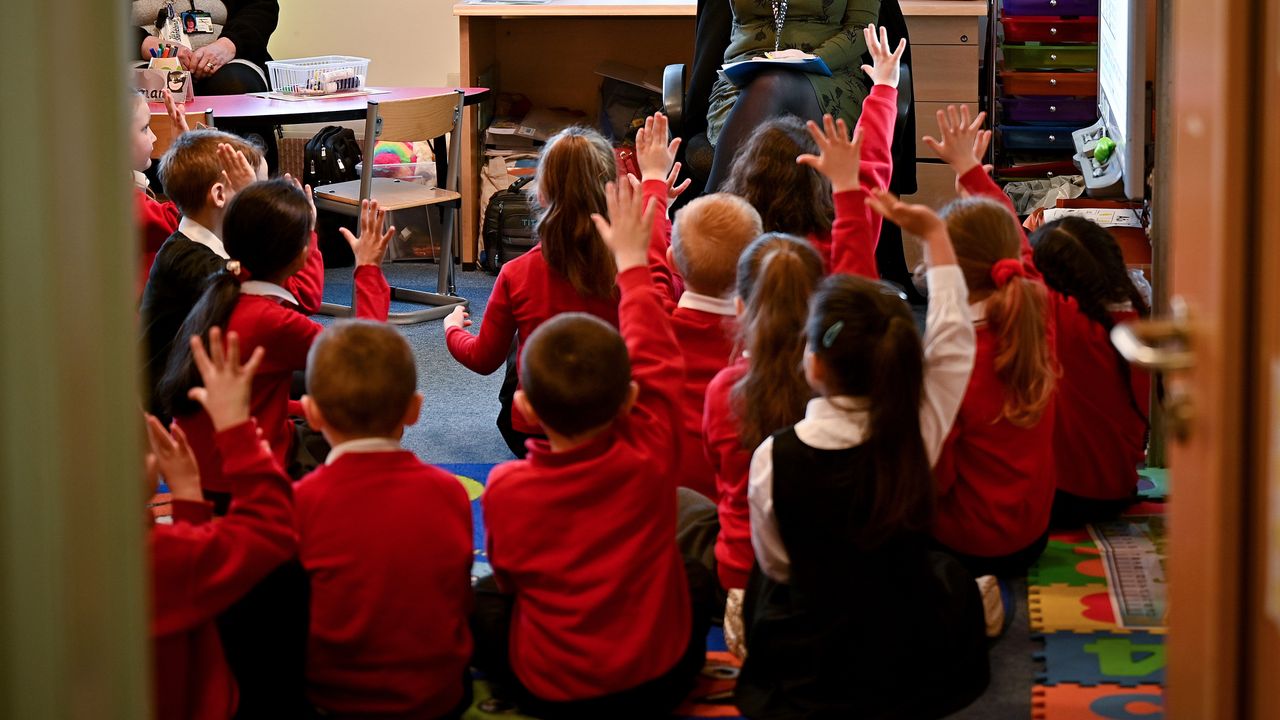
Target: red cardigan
(706, 344)
(527, 293)
(995, 480)
(200, 568)
(287, 335)
(586, 539)
(850, 249)
(386, 540)
(156, 222)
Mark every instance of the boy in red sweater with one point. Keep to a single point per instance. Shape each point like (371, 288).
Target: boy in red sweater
(200, 568)
(707, 237)
(605, 619)
(385, 538)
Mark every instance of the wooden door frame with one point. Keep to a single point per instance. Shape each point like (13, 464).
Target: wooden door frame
(1209, 194)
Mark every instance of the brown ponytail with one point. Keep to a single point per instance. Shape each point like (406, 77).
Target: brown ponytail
(573, 170)
(988, 244)
(776, 275)
(863, 334)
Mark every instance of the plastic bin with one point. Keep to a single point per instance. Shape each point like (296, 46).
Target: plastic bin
(1050, 29)
(1050, 57)
(1050, 110)
(1079, 84)
(1050, 7)
(318, 76)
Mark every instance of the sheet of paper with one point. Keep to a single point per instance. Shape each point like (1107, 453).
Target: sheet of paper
(301, 98)
(1106, 217)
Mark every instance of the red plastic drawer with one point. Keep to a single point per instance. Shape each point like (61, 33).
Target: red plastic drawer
(1050, 30)
(1034, 8)
(1080, 84)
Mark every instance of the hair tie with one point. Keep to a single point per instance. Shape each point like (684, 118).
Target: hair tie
(1006, 270)
(833, 332)
(233, 267)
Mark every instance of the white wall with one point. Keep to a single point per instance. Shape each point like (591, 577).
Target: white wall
(410, 42)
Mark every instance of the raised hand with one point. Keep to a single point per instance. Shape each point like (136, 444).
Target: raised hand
(838, 156)
(228, 385)
(459, 318)
(654, 153)
(887, 64)
(673, 190)
(372, 243)
(918, 220)
(626, 231)
(172, 458)
(177, 114)
(237, 173)
(962, 138)
(306, 190)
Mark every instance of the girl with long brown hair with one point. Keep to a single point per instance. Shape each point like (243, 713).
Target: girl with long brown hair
(996, 478)
(570, 269)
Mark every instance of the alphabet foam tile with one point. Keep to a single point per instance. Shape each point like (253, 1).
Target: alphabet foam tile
(1153, 483)
(1068, 563)
(1101, 702)
(1084, 608)
(1100, 658)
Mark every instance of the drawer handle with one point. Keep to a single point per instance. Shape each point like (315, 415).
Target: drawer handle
(1053, 3)
(964, 38)
(1053, 31)
(1053, 82)
(1053, 108)
(1053, 138)
(1053, 57)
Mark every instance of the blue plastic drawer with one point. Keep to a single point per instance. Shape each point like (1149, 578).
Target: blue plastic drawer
(1050, 7)
(1050, 110)
(1037, 137)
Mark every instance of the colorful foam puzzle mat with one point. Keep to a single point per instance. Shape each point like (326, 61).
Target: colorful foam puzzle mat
(1099, 702)
(1071, 608)
(1102, 658)
(1070, 558)
(1153, 483)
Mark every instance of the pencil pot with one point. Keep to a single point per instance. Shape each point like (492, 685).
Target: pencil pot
(152, 82)
(322, 75)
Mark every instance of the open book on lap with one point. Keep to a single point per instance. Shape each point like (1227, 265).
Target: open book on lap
(741, 73)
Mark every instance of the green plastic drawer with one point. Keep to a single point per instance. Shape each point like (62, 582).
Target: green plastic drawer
(1050, 57)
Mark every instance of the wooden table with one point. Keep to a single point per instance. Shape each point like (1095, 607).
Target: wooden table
(549, 53)
(233, 110)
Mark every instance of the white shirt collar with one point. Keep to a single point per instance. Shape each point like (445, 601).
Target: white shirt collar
(362, 445)
(707, 304)
(267, 289)
(196, 232)
(140, 179)
(978, 311)
(834, 423)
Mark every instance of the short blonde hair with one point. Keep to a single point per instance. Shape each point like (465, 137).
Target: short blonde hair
(362, 376)
(190, 166)
(707, 238)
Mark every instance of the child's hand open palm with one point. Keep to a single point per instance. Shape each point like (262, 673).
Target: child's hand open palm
(654, 153)
(919, 220)
(887, 67)
(962, 138)
(372, 243)
(626, 231)
(172, 458)
(228, 385)
(838, 156)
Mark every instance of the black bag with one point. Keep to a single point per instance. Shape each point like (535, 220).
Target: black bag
(510, 226)
(331, 157)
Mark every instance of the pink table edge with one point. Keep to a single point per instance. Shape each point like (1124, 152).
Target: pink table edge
(239, 106)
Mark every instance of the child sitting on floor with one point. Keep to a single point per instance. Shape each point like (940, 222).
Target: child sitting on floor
(156, 220)
(199, 568)
(851, 614)
(605, 620)
(385, 539)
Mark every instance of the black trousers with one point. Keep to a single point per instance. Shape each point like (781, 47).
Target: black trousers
(514, 439)
(1011, 565)
(1071, 512)
(491, 631)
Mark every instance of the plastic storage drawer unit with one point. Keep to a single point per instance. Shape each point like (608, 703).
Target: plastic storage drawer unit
(1052, 110)
(1050, 30)
(1050, 7)
(1038, 137)
(1078, 84)
(1050, 57)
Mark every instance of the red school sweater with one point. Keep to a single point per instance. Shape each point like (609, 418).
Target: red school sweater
(730, 461)
(995, 480)
(527, 293)
(200, 568)
(386, 540)
(585, 539)
(286, 334)
(706, 344)
(156, 222)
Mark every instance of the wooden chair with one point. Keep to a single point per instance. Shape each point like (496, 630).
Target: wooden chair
(163, 129)
(407, 120)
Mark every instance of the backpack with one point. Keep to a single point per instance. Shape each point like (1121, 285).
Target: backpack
(510, 224)
(331, 157)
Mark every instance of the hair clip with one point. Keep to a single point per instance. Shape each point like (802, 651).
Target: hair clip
(233, 267)
(833, 332)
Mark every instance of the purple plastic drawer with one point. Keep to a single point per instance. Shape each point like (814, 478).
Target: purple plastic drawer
(1053, 30)
(1050, 7)
(1055, 111)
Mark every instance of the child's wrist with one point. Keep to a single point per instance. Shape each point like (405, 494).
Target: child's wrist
(630, 260)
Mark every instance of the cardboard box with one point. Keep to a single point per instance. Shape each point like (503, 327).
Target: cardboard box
(151, 82)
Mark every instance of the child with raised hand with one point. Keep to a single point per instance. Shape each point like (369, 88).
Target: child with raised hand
(156, 220)
(996, 478)
(570, 269)
(385, 539)
(586, 524)
(810, 182)
(199, 568)
(268, 232)
(1102, 402)
(841, 505)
